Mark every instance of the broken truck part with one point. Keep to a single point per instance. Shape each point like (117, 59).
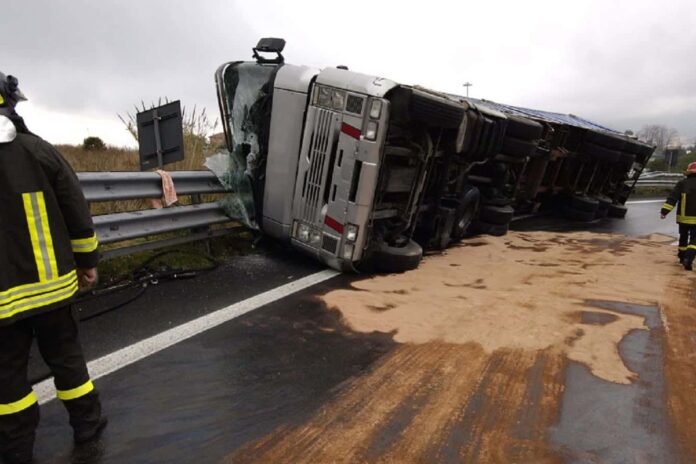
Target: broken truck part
(364, 173)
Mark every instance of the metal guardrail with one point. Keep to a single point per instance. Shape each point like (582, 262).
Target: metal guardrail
(661, 174)
(659, 179)
(111, 186)
(655, 183)
(119, 227)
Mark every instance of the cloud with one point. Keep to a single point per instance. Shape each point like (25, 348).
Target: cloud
(621, 63)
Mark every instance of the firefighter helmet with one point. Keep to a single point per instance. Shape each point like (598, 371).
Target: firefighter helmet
(10, 94)
(691, 168)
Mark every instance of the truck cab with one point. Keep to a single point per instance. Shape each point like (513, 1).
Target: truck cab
(356, 170)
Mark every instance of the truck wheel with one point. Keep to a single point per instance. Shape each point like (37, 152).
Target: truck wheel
(600, 153)
(466, 213)
(499, 215)
(518, 148)
(583, 203)
(617, 211)
(496, 230)
(578, 214)
(510, 159)
(497, 201)
(397, 259)
(603, 209)
(523, 128)
(605, 140)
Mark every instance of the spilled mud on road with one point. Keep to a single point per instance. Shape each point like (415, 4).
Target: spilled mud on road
(488, 335)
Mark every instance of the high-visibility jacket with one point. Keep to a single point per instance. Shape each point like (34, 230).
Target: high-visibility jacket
(46, 229)
(683, 197)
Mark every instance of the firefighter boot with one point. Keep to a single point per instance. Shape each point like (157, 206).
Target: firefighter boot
(86, 435)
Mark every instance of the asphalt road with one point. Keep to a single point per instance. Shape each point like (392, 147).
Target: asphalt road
(203, 398)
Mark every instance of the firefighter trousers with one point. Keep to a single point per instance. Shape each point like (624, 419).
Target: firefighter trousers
(57, 339)
(687, 242)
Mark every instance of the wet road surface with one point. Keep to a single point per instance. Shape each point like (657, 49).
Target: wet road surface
(237, 392)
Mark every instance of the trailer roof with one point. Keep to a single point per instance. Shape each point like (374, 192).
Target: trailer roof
(559, 118)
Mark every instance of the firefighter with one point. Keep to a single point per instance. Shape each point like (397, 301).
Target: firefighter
(48, 248)
(683, 197)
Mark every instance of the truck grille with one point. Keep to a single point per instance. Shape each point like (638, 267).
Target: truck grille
(322, 142)
(330, 244)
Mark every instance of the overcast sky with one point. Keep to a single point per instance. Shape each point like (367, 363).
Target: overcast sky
(620, 63)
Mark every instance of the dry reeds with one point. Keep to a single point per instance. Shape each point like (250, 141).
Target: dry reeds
(197, 128)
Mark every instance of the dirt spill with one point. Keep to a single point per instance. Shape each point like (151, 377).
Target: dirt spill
(486, 335)
(679, 313)
(499, 298)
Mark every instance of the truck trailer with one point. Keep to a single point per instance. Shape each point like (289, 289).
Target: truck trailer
(364, 173)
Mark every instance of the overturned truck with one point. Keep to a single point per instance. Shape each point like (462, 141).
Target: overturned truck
(364, 173)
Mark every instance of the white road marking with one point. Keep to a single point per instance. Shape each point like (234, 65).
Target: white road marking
(144, 348)
(638, 202)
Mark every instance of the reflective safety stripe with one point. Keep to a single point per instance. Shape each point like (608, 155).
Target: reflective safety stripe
(2, 100)
(683, 248)
(40, 234)
(691, 247)
(18, 406)
(10, 296)
(683, 204)
(668, 207)
(31, 296)
(691, 220)
(85, 245)
(73, 393)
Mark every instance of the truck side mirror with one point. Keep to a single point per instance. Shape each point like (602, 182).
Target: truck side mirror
(269, 45)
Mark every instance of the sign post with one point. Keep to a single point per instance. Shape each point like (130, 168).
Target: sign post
(160, 136)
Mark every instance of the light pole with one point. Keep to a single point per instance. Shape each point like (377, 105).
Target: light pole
(467, 85)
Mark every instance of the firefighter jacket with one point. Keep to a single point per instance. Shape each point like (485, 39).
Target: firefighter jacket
(46, 229)
(683, 197)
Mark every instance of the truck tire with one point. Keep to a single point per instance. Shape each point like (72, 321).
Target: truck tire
(518, 148)
(601, 153)
(578, 214)
(497, 201)
(498, 215)
(510, 159)
(523, 128)
(444, 230)
(603, 209)
(605, 140)
(617, 211)
(393, 259)
(496, 230)
(466, 213)
(583, 203)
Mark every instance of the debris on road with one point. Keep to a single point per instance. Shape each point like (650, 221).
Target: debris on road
(489, 337)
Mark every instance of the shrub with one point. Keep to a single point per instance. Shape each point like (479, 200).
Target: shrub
(93, 143)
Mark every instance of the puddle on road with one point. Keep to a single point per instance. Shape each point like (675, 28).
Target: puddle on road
(600, 421)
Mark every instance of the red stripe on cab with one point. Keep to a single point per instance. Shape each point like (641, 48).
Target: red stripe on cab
(334, 224)
(350, 130)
